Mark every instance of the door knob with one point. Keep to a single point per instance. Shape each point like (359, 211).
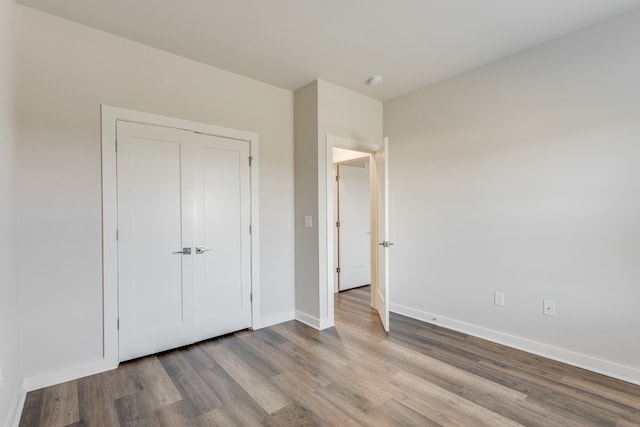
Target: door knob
(202, 249)
(184, 251)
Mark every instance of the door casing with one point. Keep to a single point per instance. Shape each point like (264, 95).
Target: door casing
(110, 116)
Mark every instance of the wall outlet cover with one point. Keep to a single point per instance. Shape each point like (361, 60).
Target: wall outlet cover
(549, 307)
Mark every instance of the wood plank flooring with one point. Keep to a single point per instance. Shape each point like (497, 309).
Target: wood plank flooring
(353, 374)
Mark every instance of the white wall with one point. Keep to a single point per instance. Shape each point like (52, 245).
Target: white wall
(523, 176)
(9, 317)
(348, 114)
(65, 71)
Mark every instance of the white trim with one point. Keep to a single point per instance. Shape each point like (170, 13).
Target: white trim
(611, 369)
(308, 320)
(275, 319)
(326, 261)
(314, 322)
(326, 324)
(36, 382)
(110, 115)
(255, 227)
(13, 419)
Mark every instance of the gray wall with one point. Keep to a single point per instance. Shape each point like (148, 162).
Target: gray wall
(9, 317)
(523, 176)
(306, 199)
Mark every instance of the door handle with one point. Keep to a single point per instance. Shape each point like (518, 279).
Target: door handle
(385, 244)
(184, 251)
(202, 249)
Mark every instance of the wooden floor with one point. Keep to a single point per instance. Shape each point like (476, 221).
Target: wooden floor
(293, 375)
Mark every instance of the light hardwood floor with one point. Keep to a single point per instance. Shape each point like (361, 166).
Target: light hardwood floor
(354, 374)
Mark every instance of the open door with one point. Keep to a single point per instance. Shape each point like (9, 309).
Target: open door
(353, 222)
(382, 288)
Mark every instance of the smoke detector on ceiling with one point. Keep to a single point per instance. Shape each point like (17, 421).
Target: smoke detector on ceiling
(375, 80)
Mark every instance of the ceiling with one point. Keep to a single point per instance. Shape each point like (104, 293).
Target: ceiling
(289, 43)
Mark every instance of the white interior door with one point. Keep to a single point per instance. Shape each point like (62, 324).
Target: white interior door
(382, 288)
(182, 201)
(354, 213)
(155, 281)
(223, 294)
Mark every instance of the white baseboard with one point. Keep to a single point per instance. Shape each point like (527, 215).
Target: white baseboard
(14, 418)
(314, 322)
(265, 322)
(36, 382)
(326, 324)
(308, 320)
(608, 368)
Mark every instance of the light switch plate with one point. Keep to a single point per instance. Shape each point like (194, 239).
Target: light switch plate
(498, 298)
(308, 221)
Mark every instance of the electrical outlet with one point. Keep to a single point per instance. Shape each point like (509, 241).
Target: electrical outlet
(549, 307)
(498, 298)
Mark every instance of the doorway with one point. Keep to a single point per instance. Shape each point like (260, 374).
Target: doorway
(352, 211)
(379, 226)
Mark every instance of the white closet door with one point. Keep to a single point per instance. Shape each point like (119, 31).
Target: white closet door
(184, 244)
(223, 293)
(155, 282)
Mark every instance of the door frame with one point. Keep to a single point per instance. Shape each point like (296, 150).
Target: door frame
(326, 222)
(109, 116)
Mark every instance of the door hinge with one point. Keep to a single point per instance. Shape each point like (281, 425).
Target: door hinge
(250, 229)
(116, 234)
(251, 297)
(250, 160)
(337, 177)
(116, 145)
(338, 270)
(118, 326)
(337, 223)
